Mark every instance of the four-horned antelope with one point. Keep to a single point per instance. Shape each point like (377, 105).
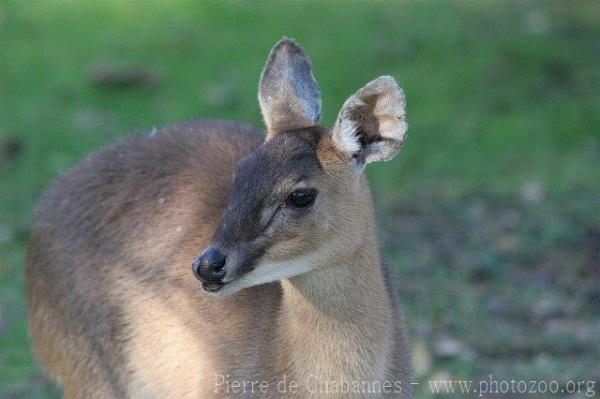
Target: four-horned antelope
(293, 301)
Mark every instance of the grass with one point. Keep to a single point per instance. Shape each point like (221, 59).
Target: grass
(490, 212)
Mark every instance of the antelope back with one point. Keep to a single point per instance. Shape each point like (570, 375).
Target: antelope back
(119, 229)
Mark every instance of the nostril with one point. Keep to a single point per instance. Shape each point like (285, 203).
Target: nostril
(218, 274)
(214, 258)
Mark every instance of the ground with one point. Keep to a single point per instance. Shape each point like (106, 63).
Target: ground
(490, 213)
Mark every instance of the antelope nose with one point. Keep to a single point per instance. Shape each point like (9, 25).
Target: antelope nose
(208, 267)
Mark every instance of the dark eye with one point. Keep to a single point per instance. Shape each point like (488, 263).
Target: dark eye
(302, 198)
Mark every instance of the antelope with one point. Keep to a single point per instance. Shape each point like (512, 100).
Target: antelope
(293, 299)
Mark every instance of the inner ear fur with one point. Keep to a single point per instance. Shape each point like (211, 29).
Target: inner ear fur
(371, 125)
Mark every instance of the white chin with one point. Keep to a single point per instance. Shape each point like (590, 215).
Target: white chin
(268, 272)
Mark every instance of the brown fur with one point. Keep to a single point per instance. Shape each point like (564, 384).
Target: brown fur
(115, 311)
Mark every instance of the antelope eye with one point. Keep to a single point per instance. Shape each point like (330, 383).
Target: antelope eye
(302, 198)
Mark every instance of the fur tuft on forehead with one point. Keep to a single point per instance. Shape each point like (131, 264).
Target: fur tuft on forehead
(310, 135)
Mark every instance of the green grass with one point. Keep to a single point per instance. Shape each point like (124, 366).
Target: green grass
(503, 112)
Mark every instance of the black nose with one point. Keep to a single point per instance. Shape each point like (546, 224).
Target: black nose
(208, 266)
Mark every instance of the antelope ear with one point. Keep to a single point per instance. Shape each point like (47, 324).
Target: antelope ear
(288, 93)
(372, 124)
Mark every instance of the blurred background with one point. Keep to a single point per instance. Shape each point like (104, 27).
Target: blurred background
(490, 213)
